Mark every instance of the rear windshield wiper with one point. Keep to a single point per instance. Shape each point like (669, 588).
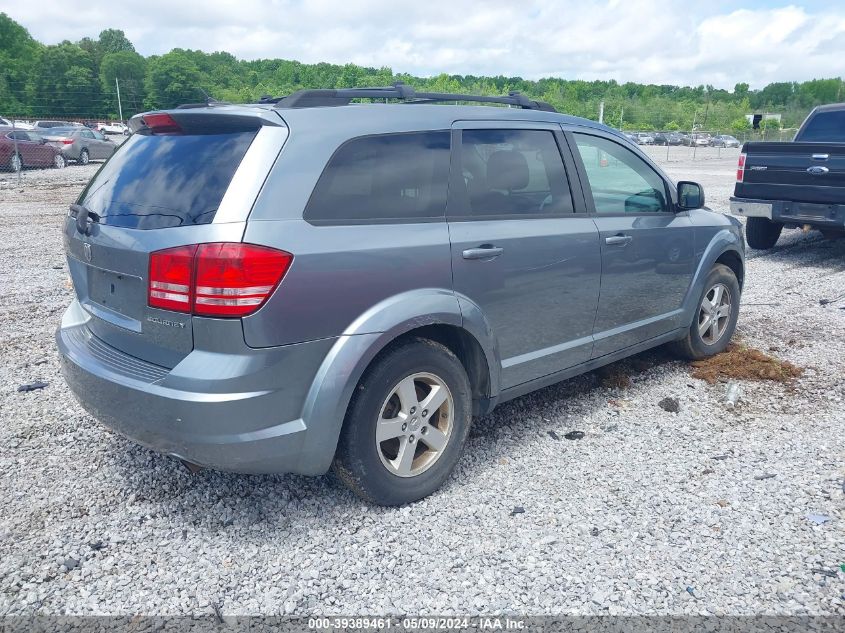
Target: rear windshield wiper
(84, 217)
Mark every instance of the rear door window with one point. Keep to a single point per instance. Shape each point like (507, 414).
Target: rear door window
(825, 127)
(156, 181)
(384, 178)
(512, 173)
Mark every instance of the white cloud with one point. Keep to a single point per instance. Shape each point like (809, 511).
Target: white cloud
(655, 41)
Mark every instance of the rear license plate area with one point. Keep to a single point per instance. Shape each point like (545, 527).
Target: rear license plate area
(115, 291)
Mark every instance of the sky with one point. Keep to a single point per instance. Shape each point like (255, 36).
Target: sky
(685, 42)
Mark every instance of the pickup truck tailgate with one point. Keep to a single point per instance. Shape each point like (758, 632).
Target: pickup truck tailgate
(800, 172)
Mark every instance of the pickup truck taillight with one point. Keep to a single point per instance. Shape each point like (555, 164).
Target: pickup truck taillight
(740, 168)
(222, 279)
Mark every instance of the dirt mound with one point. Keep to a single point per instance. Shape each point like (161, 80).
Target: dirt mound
(744, 363)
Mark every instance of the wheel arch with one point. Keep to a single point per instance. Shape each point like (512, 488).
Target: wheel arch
(732, 260)
(392, 321)
(724, 248)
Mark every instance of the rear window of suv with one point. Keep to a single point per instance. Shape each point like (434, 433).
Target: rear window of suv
(387, 178)
(825, 127)
(156, 181)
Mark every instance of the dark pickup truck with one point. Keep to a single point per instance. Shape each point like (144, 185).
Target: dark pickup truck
(795, 185)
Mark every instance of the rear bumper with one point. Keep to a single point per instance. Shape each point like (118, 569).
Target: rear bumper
(69, 151)
(791, 213)
(239, 411)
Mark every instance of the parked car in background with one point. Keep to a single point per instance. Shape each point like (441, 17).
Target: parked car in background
(794, 184)
(22, 148)
(113, 127)
(80, 143)
(16, 124)
(724, 140)
(698, 140)
(279, 287)
(40, 126)
(631, 137)
(644, 138)
(668, 138)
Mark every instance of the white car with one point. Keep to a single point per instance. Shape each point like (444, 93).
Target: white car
(115, 127)
(21, 125)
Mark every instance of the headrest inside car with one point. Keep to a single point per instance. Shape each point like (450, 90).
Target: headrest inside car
(507, 170)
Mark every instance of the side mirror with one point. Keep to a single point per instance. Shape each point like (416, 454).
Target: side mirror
(690, 195)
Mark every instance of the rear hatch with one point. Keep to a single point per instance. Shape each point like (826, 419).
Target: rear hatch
(183, 177)
(799, 172)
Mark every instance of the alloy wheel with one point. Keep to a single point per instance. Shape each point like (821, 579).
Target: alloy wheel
(714, 315)
(415, 424)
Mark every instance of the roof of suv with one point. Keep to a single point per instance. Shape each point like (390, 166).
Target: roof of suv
(374, 118)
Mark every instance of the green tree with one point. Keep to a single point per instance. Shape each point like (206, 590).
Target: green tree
(19, 54)
(129, 69)
(740, 125)
(172, 79)
(64, 83)
(114, 41)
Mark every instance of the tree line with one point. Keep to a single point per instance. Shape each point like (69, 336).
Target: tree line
(77, 80)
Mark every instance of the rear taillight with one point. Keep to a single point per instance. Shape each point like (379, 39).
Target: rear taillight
(67, 141)
(218, 279)
(740, 168)
(161, 123)
(171, 277)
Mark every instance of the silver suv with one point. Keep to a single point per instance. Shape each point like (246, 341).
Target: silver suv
(308, 282)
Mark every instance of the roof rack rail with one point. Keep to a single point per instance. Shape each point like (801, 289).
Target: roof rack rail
(398, 91)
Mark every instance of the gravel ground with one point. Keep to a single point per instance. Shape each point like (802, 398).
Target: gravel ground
(701, 511)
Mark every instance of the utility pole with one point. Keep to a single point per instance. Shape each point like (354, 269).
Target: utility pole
(621, 117)
(692, 134)
(601, 112)
(17, 155)
(119, 107)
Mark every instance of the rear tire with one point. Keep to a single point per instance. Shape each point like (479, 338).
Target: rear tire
(390, 403)
(84, 158)
(15, 162)
(59, 161)
(762, 233)
(713, 325)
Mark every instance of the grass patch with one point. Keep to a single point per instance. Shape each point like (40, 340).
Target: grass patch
(744, 363)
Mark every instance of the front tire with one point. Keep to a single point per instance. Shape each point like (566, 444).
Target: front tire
(762, 233)
(406, 424)
(715, 317)
(15, 162)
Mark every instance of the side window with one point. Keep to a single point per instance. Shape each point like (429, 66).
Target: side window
(620, 181)
(88, 134)
(387, 177)
(513, 173)
(98, 136)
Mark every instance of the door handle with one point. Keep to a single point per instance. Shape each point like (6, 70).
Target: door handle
(485, 251)
(618, 240)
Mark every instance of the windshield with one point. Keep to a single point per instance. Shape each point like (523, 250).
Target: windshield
(825, 126)
(155, 182)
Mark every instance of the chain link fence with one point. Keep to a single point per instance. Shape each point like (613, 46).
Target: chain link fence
(31, 148)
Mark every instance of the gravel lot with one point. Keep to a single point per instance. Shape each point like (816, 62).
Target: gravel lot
(651, 512)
